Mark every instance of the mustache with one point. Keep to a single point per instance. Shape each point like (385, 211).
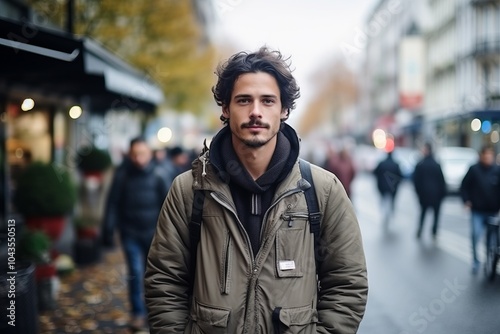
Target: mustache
(255, 123)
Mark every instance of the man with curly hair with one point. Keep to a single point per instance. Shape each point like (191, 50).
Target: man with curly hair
(257, 269)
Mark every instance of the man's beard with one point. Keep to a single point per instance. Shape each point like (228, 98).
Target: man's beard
(255, 143)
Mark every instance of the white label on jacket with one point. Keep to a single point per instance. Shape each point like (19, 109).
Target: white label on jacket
(287, 265)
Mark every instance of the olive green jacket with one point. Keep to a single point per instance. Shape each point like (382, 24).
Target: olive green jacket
(235, 292)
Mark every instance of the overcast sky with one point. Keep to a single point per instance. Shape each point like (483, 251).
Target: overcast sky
(311, 32)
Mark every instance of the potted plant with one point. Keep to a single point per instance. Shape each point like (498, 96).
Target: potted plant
(34, 247)
(44, 195)
(92, 161)
(87, 247)
(86, 227)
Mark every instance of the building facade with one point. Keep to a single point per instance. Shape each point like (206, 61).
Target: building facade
(59, 92)
(393, 91)
(460, 67)
(463, 75)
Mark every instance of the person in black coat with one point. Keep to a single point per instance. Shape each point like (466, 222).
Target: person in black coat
(430, 187)
(134, 201)
(480, 191)
(388, 175)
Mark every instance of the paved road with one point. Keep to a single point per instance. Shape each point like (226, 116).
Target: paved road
(422, 286)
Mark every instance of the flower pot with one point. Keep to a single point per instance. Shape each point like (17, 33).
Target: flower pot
(53, 226)
(93, 178)
(87, 232)
(46, 270)
(87, 251)
(46, 276)
(25, 312)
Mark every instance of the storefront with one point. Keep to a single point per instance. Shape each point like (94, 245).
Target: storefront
(56, 92)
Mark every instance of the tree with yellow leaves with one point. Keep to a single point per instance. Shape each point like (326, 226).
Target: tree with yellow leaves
(162, 38)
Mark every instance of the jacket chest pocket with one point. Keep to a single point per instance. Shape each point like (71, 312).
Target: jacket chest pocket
(293, 241)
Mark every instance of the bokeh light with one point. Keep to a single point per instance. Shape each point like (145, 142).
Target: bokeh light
(475, 125)
(75, 112)
(27, 104)
(164, 134)
(379, 138)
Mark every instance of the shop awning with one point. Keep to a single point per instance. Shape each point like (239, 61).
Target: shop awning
(56, 65)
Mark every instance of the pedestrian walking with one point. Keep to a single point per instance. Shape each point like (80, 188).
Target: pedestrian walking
(342, 166)
(163, 159)
(180, 160)
(134, 200)
(388, 176)
(256, 244)
(480, 191)
(430, 188)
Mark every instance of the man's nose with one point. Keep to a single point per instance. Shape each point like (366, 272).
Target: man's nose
(256, 110)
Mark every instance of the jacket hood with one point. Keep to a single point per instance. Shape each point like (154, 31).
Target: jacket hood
(210, 162)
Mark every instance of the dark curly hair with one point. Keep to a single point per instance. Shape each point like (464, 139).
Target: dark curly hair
(264, 60)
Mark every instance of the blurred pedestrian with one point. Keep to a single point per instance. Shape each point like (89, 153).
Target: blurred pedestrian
(180, 160)
(255, 245)
(163, 160)
(137, 192)
(430, 187)
(480, 192)
(342, 166)
(388, 176)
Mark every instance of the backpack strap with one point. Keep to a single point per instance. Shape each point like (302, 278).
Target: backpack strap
(312, 206)
(194, 231)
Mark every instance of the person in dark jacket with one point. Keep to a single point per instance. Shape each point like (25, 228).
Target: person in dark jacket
(430, 187)
(388, 175)
(480, 192)
(134, 201)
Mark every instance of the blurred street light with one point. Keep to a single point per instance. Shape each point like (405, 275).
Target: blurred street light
(164, 134)
(27, 104)
(75, 112)
(379, 138)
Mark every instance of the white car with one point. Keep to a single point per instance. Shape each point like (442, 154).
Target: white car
(455, 162)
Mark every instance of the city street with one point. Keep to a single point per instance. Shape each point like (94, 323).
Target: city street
(422, 286)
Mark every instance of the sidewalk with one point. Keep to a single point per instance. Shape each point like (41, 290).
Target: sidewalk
(91, 299)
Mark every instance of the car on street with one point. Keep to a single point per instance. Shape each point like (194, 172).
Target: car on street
(455, 162)
(407, 158)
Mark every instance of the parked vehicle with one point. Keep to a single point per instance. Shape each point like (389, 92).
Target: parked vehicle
(407, 158)
(455, 162)
(366, 157)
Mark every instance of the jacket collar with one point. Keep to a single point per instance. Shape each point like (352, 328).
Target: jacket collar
(209, 176)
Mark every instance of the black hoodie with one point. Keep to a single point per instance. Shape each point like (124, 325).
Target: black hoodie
(481, 186)
(253, 197)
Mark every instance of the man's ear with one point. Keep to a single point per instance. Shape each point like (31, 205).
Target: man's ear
(284, 114)
(225, 111)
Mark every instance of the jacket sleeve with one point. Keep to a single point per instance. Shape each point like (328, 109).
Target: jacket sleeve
(466, 186)
(110, 218)
(342, 268)
(167, 275)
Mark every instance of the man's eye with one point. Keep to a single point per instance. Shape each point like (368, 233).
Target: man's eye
(245, 100)
(268, 101)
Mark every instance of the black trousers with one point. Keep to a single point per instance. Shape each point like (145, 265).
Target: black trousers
(423, 210)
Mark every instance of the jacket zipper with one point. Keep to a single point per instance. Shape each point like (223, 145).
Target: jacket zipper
(286, 194)
(222, 200)
(292, 215)
(226, 283)
(203, 165)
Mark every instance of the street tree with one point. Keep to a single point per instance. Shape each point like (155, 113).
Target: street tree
(162, 38)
